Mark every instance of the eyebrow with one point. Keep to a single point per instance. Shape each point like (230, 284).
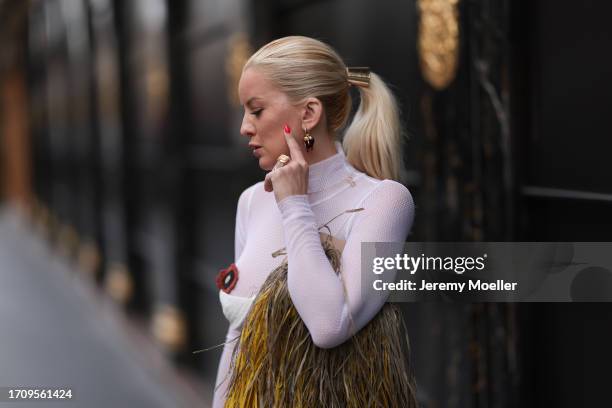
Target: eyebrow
(254, 98)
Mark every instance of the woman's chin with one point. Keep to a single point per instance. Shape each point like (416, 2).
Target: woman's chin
(265, 165)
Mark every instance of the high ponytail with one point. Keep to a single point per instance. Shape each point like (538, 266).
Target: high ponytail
(303, 67)
(373, 141)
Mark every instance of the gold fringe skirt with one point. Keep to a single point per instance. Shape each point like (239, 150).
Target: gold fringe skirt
(276, 364)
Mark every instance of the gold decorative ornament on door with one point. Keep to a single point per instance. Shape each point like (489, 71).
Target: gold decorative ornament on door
(438, 41)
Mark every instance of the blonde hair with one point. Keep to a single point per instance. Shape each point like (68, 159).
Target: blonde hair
(303, 67)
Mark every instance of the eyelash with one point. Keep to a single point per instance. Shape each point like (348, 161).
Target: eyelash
(257, 112)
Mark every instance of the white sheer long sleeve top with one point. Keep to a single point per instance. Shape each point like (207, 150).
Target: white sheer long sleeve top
(264, 226)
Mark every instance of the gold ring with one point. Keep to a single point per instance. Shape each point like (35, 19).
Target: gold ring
(282, 160)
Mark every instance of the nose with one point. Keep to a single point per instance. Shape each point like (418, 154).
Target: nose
(247, 128)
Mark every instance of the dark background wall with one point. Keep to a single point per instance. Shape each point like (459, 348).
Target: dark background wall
(137, 159)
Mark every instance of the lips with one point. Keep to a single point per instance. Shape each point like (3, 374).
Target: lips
(255, 149)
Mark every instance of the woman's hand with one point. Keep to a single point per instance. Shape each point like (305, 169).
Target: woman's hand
(292, 178)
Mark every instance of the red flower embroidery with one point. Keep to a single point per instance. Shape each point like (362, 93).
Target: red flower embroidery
(227, 278)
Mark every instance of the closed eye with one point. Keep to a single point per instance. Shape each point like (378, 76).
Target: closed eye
(256, 112)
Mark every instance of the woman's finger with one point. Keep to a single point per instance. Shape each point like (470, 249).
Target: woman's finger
(294, 147)
(268, 182)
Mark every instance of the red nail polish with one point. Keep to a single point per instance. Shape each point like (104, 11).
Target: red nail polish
(287, 129)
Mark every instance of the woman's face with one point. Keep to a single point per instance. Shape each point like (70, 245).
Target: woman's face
(266, 111)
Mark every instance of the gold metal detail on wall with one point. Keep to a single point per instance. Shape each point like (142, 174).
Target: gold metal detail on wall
(88, 258)
(438, 41)
(156, 84)
(67, 241)
(118, 283)
(169, 327)
(239, 51)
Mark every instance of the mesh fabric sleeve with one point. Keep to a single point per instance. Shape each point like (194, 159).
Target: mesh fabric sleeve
(315, 289)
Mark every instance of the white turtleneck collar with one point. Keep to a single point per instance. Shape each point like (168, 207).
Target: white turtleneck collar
(328, 172)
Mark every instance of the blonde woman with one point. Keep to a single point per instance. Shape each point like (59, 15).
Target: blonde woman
(293, 294)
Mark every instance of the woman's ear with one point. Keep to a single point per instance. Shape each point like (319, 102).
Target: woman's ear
(312, 113)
